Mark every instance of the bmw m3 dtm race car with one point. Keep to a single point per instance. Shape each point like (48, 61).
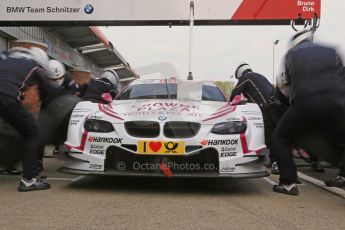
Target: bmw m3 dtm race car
(167, 127)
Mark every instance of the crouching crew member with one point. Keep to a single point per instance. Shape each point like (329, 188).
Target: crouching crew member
(19, 68)
(60, 80)
(62, 84)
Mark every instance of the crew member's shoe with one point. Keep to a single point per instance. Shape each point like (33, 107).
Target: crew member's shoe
(338, 181)
(275, 169)
(317, 167)
(290, 189)
(32, 185)
(11, 171)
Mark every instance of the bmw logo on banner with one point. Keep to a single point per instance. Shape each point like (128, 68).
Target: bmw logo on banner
(88, 9)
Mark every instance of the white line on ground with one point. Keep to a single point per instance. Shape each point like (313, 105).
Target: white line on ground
(268, 180)
(338, 191)
(78, 178)
(272, 182)
(62, 179)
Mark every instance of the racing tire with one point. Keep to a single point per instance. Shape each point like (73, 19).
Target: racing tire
(52, 122)
(53, 119)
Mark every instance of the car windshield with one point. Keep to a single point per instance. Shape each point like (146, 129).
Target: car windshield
(166, 91)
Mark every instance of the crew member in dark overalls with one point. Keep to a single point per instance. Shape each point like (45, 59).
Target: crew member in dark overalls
(257, 89)
(19, 68)
(97, 86)
(63, 84)
(314, 75)
(59, 79)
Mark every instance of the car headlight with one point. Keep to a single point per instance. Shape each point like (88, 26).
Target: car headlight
(231, 127)
(98, 126)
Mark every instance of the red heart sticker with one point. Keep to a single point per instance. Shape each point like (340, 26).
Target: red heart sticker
(155, 146)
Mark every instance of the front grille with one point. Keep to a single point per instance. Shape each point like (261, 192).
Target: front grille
(144, 129)
(193, 164)
(181, 129)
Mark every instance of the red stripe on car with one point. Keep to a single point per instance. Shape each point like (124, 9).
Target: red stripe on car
(103, 110)
(82, 142)
(222, 111)
(244, 145)
(221, 115)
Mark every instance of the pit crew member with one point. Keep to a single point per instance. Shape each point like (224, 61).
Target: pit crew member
(317, 94)
(19, 68)
(106, 84)
(257, 89)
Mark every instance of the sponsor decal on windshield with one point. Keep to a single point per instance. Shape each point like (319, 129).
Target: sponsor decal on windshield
(173, 80)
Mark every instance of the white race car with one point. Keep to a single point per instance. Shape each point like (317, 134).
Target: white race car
(167, 128)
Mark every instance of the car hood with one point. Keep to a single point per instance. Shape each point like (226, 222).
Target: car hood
(165, 110)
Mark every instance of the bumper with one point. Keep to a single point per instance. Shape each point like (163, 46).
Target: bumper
(205, 164)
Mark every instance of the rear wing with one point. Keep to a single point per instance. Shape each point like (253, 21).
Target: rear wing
(157, 12)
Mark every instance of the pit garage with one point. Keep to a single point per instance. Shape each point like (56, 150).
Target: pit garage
(82, 48)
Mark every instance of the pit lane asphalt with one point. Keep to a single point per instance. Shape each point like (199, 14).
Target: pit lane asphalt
(159, 203)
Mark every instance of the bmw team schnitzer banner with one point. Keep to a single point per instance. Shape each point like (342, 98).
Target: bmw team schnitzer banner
(155, 11)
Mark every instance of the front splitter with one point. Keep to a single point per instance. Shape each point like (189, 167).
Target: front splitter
(160, 174)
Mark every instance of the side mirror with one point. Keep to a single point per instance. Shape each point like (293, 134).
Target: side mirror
(239, 99)
(106, 97)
